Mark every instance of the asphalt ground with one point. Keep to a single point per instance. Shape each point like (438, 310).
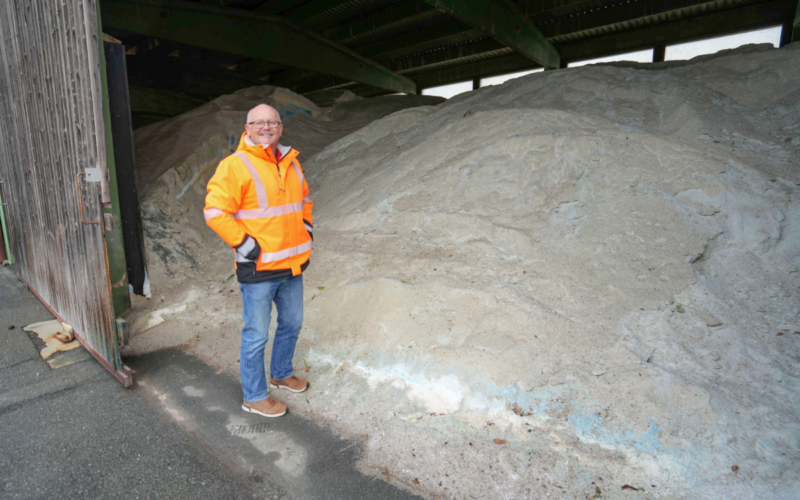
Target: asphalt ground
(179, 432)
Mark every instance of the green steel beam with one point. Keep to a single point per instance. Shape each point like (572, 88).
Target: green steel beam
(297, 79)
(257, 36)
(705, 26)
(410, 44)
(502, 20)
(796, 29)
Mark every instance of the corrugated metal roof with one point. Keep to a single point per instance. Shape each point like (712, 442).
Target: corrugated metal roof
(402, 26)
(458, 61)
(412, 36)
(345, 11)
(670, 16)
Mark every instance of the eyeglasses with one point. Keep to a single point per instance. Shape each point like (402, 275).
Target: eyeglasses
(262, 124)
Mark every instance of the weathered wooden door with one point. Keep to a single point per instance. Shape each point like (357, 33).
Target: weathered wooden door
(53, 164)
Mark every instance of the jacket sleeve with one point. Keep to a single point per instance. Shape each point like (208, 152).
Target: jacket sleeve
(308, 205)
(223, 198)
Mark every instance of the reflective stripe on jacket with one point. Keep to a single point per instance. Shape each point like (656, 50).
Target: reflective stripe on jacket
(248, 196)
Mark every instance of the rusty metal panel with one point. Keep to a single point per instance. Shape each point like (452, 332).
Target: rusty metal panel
(51, 122)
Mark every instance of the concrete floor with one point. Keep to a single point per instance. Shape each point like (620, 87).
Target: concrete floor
(75, 432)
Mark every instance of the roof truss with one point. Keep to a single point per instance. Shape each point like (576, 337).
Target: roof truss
(254, 35)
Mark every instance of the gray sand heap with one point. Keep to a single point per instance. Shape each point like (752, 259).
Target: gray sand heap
(577, 281)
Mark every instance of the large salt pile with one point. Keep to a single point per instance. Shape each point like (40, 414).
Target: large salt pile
(577, 282)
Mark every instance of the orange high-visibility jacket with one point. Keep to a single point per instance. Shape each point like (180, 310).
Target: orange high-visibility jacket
(248, 196)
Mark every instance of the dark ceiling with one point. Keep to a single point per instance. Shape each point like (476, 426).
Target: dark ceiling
(197, 50)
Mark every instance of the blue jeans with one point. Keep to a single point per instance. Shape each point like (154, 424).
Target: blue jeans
(257, 298)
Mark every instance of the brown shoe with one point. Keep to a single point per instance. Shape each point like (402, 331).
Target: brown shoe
(294, 384)
(266, 408)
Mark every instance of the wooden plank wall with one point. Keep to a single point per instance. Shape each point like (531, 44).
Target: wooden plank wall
(51, 124)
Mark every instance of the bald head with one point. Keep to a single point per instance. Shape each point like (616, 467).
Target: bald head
(258, 125)
(261, 109)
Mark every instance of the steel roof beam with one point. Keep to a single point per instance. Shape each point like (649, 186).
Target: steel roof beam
(501, 20)
(258, 36)
(767, 13)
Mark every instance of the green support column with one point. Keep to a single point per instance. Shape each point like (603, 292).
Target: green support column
(115, 247)
(796, 30)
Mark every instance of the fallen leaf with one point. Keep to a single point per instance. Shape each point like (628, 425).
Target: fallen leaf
(305, 366)
(320, 288)
(780, 333)
(489, 423)
(629, 487)
(680, 309)
(735, 468)
(312, 297)
(415, 481)
(500, 441)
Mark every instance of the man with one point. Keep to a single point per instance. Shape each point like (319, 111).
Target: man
(258, 203)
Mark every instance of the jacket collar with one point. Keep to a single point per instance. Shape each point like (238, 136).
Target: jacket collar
(262, 150)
